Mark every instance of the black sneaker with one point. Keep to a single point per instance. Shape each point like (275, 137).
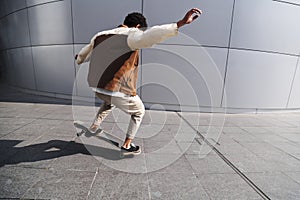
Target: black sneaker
(132, 150)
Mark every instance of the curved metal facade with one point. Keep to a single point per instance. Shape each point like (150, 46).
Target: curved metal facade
(254, 44)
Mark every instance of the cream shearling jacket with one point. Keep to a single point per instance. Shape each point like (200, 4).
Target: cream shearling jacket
(113, 56)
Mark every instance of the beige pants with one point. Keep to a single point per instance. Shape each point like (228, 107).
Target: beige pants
(131, 105)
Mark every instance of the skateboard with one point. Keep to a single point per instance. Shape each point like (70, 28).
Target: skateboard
(85, 130)
(101, 134)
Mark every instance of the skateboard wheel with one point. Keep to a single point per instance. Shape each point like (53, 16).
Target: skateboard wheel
(80, 133)
(122, 155)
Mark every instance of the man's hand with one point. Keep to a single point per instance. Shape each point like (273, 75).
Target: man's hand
(189, 17)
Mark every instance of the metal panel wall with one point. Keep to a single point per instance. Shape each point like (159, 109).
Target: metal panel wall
(36, 2)
(3, 34)
(258, 80)
(211, 29)
(81, 84)
(21, 63)
(266, 25)
(193, 69)
(51, 23)
(17, 29)
(2, 9)
(9, 69)
(92, 16)
(297, 2)
(54, 68)
(3, 66)
(294, 101)
(10, 6)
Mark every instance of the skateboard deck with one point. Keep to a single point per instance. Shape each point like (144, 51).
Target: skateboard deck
(100, 134)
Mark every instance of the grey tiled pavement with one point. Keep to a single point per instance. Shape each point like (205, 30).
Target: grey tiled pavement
(255, 156)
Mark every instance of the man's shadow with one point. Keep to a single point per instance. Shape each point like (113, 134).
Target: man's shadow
(50, 150)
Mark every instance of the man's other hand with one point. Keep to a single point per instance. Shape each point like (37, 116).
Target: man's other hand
(189, 17)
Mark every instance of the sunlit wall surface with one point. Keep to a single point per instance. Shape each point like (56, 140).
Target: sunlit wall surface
(255, 45)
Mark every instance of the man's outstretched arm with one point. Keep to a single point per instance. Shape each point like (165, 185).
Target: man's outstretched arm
(139, 39)
(142, 39)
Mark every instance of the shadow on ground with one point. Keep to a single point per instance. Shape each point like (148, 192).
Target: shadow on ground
(50, 150)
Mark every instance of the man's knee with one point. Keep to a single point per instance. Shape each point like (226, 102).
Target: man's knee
(143, 111)
(140, 112)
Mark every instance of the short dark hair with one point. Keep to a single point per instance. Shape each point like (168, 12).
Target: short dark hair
(135, 18)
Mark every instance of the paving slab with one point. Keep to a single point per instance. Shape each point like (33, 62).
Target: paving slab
(210, 164)
(176, 186)
(168, 163)
(261, 148)
(293, 175)
(233, 130)
(74, 184)
(282, 161)
(161, 117)
(243, 137)
(296, 155)
(208, 119)
(252, 163)
(196, 148)
(270, 137)
(118, 185)
(231, 149)
(35, 129)
(283, 130)
(164, 147)
(80, 161)
(64, 113)
(9, 125)
(255, 130)
(293, 137)
(25, 110)
(158, 133)
(227, 186)
(276, 185)
(288, 147)
(16, 181)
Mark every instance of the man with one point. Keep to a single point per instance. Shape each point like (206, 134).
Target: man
(114, 80)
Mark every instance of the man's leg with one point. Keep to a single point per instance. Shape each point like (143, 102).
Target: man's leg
(103, 111)
(134, 107)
